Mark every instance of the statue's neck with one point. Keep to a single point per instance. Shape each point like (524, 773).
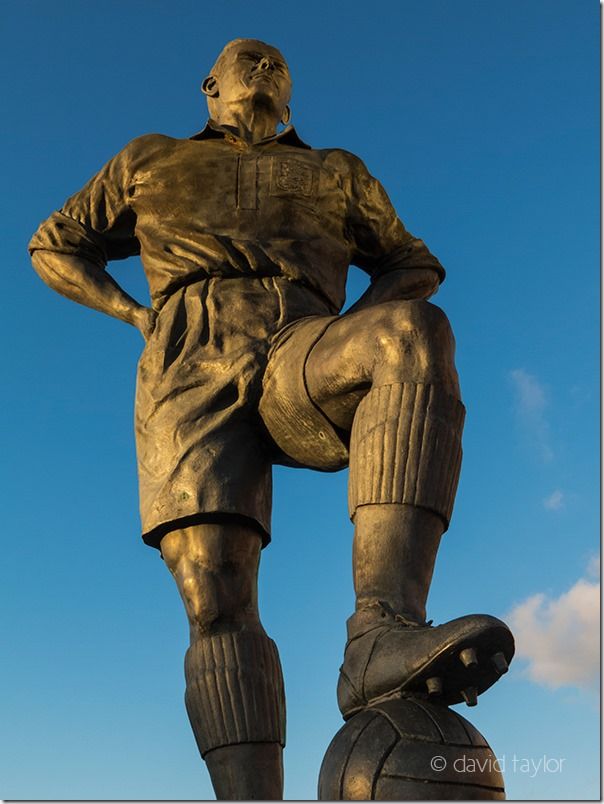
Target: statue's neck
(252, 124)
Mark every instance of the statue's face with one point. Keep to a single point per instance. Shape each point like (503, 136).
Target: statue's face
(254, 71)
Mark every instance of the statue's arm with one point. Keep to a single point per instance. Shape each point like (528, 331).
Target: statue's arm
(85, 282)
(400, 265)
(70, 249)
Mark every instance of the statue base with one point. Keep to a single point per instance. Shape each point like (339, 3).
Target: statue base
(409, 749)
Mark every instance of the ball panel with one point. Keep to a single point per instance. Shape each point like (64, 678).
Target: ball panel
(369, 753)
(336, 756)
(410, 719)
(441, 763)
(409, 749)
(448, 722)
(475, 736)
(396, 789)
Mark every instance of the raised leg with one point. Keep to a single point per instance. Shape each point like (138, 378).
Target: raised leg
(387, 373)
(234, 687)
(393, 557)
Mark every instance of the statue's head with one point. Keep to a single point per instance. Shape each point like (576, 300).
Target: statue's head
(248, 71)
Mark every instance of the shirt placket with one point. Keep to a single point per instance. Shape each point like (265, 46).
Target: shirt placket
(247, 181)
(247, 174)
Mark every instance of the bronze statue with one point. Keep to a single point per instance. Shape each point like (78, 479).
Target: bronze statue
(246, 236)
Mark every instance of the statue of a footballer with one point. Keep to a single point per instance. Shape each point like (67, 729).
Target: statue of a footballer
(246, 236)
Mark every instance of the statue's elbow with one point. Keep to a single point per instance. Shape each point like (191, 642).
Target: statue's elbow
(43, 265)
(432, 285)
(40, 265)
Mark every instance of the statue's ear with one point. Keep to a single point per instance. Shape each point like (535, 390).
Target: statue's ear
(209, 86)
(286, 116)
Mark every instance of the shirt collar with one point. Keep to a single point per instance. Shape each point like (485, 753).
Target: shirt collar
(212, 130)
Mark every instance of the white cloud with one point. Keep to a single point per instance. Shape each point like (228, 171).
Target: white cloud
(555, 501)
(560, 637)
(593, 567)
(531, 404)
(531, 395)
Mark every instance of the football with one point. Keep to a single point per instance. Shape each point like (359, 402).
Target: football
(409, 749)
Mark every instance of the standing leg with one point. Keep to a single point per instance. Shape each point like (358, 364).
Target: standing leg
(234, 693)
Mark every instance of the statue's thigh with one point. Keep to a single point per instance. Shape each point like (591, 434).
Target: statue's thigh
(323, 366)
(302, 433)
(393, 342)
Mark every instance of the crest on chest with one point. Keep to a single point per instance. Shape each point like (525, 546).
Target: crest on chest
(293, 177)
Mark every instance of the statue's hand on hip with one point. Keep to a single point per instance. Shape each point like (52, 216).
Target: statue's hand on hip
(144, 320)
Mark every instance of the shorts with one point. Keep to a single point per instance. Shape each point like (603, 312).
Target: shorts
(221, 397)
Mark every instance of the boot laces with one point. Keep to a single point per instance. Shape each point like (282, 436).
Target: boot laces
(387, 610)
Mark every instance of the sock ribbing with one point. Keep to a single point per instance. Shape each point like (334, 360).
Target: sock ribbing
(235, 691)
(406, 448)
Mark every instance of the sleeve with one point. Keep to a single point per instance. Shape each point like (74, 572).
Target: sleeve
(96, 223)
(379, 239)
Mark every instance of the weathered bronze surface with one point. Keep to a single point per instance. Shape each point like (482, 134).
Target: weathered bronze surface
(246, 236)
(409, 749)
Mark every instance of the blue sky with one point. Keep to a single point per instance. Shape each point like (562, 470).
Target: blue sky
(481, 119)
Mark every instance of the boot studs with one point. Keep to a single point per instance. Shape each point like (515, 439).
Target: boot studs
(468, 657)
(499, 662)
(434, 685)
(470, 696)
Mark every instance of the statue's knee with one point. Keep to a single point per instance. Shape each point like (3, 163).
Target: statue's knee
(414, 337)
(215, 597)
(172, 547)
(215, 571)
(199, 586)
(199, 593)
(435, 320)
(419, 316)
(419, 322)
